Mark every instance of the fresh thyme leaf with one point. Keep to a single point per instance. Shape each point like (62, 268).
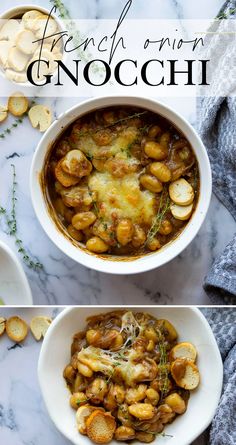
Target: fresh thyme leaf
(11, 222)
(123, 119)
(96, 209)
(157, 220)
(8, 130)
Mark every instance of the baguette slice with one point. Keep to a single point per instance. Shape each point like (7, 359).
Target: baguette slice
(39, 326)
(18, 104)
(185, 373)
(41, 24)
(16, 77)
(40, 116)
(181, 192)
(82, 414)
(30, 19)
(5, 46)
(183, 350)
(16, 329)
(10, 29)
(24, 42)
(100, 427)
(3, 113)
(17, 60)
(2, 325)
(181, 212)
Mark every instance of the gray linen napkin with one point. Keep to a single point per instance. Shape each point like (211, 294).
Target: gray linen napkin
(223, 427)
(217, 118)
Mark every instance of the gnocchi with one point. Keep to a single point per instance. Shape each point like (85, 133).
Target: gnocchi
(130, 179)
(129, 390)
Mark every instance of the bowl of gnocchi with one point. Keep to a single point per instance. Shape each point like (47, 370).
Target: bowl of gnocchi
(140, 374)
(121, 184)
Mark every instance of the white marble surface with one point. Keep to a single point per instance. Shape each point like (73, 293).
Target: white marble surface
(63, 281)
(23, 416)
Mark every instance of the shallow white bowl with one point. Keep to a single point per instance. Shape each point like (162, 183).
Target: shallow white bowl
(108, 263)
(14, 286)
(191, 326)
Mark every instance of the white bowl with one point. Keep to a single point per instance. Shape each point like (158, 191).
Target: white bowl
(111, 264)
(18, 12)
(191, 326)
(14, 286)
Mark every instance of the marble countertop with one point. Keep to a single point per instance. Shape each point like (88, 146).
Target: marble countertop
(62, 281)
(23, 416)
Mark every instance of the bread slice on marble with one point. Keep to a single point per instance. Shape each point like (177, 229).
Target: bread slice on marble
(18, 104)
(16, 329)
(40, 116)
(2, 325)
(3, 113)
(39, 326)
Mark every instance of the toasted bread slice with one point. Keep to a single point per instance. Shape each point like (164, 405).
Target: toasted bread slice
(64, 178)
(100, 427)
(10, 29)
(82, 414)
(183, 350)
(40, 116)
(41, 24)
(181, 212)
(30, 19)
(185, 373)
(39, 326)
(181, 192)
(18, 104)
(16, 329)
(5, 46)
(3, 113)
(17, 60)
(2, 325)
(25, 42)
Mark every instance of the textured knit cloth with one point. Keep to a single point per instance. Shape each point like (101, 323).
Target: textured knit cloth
(223, 427)
(217, 127)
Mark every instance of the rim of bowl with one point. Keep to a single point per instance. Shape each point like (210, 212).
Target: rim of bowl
(21, 272)
(194, 310)
(113, 264)
(10, 14)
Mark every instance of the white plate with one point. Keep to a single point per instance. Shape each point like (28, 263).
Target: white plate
(191, 326)
(14, 286)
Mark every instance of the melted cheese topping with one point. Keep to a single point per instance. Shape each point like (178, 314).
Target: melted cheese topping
(118, 145)
(122, 197)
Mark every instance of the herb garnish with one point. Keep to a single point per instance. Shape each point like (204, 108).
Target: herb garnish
(157, 220)
(118, 121)
(15, 124)
(11, 223)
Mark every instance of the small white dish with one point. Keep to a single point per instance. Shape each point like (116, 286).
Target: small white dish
(110, 263)
(191, 326)
(16, 13)
(14, 286)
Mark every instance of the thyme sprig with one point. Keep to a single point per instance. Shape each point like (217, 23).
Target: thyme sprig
(164, 375)
(11, 222)
(77, 38)
(112, 124)
(164, 207)
(225, 15)
(15, 124)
